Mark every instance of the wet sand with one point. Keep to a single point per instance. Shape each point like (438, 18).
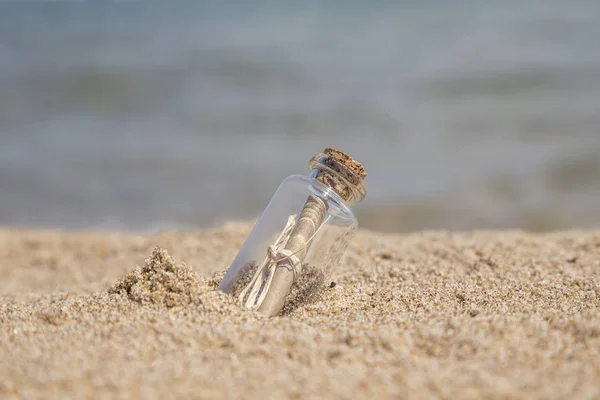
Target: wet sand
(433, 314)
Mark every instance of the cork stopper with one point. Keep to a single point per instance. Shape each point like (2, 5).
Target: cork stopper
(341, 172)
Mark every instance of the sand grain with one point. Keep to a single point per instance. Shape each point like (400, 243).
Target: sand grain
(432, 314)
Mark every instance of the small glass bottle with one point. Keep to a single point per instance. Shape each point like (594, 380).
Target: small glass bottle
(301, 235)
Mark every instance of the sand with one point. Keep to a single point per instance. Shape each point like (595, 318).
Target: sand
(502, 314)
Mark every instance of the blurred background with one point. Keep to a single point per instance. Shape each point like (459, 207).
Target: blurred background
(176, 115)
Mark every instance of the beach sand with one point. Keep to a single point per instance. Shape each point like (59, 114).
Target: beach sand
(432, 314)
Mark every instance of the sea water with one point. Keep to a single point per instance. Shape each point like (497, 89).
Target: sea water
(142, 115)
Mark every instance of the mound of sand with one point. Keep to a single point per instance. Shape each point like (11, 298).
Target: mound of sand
(161, 281)
(433, 314)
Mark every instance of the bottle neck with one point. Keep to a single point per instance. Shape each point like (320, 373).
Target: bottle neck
(341, 179)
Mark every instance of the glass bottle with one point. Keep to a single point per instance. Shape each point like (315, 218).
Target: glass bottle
(300, 237)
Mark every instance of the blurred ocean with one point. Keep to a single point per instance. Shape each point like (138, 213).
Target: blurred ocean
(145, 115)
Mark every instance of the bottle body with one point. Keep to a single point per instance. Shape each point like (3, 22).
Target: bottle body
(293, 247)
